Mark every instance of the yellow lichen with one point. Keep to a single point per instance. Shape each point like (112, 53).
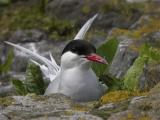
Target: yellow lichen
(153, 25)
(79, 107)
(117, 96)
(144, 118)
(118, 32)
(6, 101)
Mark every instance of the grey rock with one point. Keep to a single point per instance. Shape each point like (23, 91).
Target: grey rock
(3, 117)
(152, 39)
(144, 19)
(123, 58)
(6, 90)
(107, 106)
(32, 35)
(150, 77)
(118, 116)
(142, 107)
(52, 107)
(73, 10)
(135, 1)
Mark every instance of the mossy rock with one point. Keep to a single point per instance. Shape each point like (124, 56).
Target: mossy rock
(118, 96)
(6, 101)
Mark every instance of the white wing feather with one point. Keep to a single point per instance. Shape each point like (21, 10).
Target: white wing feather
(52, 67)
(81, 34)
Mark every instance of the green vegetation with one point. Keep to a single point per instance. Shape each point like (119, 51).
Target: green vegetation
(32, 17)
(148, 55)
(33, 84)
(107, 50)
(127, 9)
(152, 25)
(133, 74)
(5, 67)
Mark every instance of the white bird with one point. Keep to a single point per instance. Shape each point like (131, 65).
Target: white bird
(74, 77)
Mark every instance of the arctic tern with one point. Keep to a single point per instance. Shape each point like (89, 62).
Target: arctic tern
(74, 77)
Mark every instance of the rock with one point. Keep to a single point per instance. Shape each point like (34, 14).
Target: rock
(144, 107)
(123, 58)
(79, 11)
(150, 77)
(32, 35)
(56, 106)
(152, 39)
(136, 1)
(144, 19)
(3, 117)
(6, 90)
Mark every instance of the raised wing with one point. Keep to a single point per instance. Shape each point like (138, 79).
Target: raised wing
(48, 67)
(81, 34)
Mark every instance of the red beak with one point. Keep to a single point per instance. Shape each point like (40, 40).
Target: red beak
(96, 58)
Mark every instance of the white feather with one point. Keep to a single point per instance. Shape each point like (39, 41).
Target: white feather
(81, 34)
(52, 67)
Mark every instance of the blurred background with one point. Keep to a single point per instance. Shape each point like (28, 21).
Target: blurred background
(47, 25)
(126, 33)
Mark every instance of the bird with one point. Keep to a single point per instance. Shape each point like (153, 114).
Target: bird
(74, 77)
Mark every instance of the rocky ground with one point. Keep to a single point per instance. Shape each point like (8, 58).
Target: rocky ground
(48, 26)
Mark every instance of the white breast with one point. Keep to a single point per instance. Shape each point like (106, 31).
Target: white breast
(77, 84)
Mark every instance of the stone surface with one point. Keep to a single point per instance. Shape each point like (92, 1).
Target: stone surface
(73, 9)
(123, 58)
(150, 77)
(32, 35)
(57, 107)
(144, 107)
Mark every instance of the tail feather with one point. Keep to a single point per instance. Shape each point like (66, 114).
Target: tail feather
(52, 66)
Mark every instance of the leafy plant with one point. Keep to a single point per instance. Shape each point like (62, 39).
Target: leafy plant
(4, 67)
(107, 50)
(19, 86)
(148, 55)
(33, 83)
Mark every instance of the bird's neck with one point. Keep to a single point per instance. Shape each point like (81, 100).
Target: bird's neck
(83, 66)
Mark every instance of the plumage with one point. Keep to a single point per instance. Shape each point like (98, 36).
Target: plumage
(74, 77)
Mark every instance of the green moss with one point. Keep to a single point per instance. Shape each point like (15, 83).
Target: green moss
(153, 25)
(122, 7)
(86, 9)
(148, 55)
(5, 67)
(6, 101)
(133, 74)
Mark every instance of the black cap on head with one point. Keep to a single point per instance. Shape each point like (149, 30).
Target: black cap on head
(80, 47)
